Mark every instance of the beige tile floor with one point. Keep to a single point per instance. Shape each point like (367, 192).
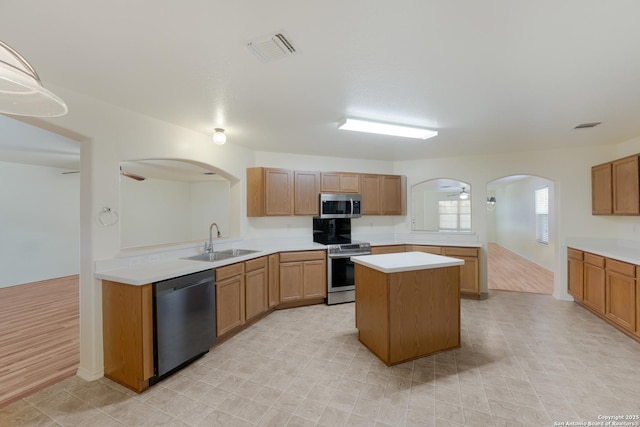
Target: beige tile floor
(526, 360)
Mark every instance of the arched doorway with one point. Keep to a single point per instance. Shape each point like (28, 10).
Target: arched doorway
(520, 234)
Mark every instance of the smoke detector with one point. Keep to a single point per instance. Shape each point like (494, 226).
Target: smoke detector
(272, 47)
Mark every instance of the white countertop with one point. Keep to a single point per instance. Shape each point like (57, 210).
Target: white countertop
(405, 261)
(626, 251)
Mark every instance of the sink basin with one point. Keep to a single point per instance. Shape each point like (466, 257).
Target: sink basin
(235, 252)
(220, 255)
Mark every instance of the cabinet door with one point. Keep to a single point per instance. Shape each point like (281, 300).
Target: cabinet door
(278, 192)
(575, 280)
(626, 186)
(437, 250)
(601, 190)
(256, 292)
(339, 182)
(274, 280)
(229, 303)
(392, 198)
(469, 275)
(349, 183)
(315, 279)
(307, 191)
(621, 300)
(390, 249)
(594, 281)
(370, 185)
(291, 280)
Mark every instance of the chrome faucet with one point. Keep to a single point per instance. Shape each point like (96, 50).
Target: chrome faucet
(209, 247)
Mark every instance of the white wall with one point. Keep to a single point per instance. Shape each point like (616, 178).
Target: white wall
(515, 220)
(39, 223)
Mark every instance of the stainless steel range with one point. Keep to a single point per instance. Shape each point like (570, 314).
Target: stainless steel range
(336, 234)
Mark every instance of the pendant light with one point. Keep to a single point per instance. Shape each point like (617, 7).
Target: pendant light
(219, 137)
(21, 91)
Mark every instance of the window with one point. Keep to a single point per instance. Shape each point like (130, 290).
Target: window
(542, 215)
(454, 215)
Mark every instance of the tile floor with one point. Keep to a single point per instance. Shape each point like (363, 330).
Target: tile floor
(526, 360)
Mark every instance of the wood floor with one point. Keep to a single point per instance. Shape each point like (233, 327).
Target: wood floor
(39, 336)
(510, 272)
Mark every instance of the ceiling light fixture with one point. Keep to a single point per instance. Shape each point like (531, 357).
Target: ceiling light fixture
(381, 128)
(21, 91)
(219, 137)
(463, 194)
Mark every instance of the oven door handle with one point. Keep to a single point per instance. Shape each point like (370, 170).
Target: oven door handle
(349, 255)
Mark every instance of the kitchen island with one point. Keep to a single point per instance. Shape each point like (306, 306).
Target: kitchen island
(407, 304)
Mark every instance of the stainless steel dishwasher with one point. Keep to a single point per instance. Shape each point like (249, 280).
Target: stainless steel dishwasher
(184, 319)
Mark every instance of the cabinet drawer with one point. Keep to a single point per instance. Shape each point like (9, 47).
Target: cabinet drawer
(255, 264)
(437, 250)
(302, 256)
(592, 259)
(621, 267)
(229, 271)
(454, 251)
(575, 254)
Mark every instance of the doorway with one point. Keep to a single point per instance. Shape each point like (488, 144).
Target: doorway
(521, 247)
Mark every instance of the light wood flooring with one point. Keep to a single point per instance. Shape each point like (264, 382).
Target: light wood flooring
(39, 336)
(511, 272)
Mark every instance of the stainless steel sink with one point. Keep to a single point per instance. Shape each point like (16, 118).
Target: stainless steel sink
(235, 252)
(220, 255)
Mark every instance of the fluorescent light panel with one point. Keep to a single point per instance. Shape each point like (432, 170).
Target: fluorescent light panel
(360, 125)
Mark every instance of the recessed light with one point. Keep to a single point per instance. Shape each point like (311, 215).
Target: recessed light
(381, 128)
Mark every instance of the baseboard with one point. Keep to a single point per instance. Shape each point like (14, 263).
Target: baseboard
(90, 376)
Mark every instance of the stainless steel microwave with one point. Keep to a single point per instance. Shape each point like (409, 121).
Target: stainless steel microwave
(340, 205)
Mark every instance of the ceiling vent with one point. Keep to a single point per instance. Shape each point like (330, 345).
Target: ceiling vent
(587, 125)
(272, 48)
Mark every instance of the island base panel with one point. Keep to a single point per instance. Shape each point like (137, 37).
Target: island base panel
(408, 315)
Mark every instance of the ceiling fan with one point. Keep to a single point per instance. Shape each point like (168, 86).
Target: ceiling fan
(462, 194)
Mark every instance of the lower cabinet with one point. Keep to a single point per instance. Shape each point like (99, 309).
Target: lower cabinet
(256, 284)
(575, 269)
(620, 294)
(606, 286)
(230, 297)
(303, 275)
(127, 328)
(274, 280)
(469, 272)
(594, 281)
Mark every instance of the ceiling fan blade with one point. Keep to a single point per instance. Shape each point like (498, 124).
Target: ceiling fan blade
(132, 176)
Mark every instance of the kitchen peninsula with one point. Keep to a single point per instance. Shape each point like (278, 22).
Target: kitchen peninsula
(407, 304)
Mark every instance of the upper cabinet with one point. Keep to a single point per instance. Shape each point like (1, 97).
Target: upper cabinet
(269, 192)
(282, 192)
(615, 187)
(383, 194)
(339, 182)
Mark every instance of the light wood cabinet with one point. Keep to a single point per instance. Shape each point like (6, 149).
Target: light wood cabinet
(339, 182)
(594, 282)
(306, 193)
(620, 295)
(388, 249)
(274, 280)
(383, 194)
(370, 190)
(437, 250)
(230, 298)
(626, 186)
(270, 192)
(601, 190)
(469, 272)
(127, 327)
(393, 195)
(303, 275)
(575, 269)
(256, 282)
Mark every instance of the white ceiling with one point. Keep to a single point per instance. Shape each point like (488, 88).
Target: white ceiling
(491, 76)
